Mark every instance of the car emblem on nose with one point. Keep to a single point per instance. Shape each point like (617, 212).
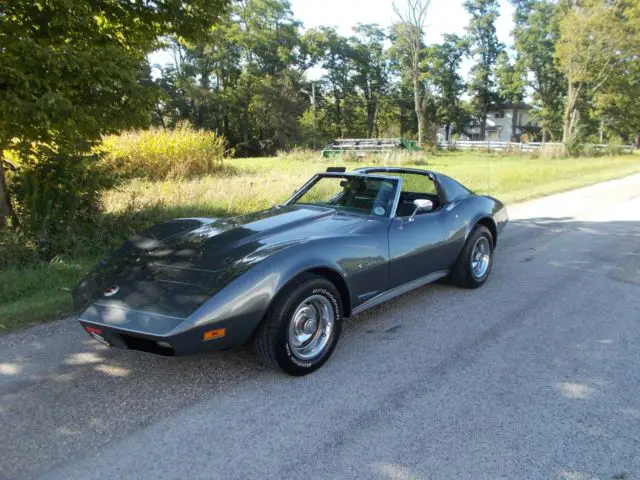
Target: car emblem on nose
(111, 291)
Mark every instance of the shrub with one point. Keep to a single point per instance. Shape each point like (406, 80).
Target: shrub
(16, 249)
(615, 146)
(159, 154)
(574, 146)
(57, 194)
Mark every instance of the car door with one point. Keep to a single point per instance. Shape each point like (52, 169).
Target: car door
(427, 244)
(418, 248)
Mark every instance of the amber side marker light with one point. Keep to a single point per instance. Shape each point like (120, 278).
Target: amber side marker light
(213, 334)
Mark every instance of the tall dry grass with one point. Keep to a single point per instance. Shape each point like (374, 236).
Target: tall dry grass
(158, 154)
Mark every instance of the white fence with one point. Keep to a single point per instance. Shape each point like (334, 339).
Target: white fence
(523, 147)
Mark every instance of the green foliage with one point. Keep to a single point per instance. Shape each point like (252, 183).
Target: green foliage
(38, 291)
(70, 71)
(372, 71)
(536, 34)
(440, 67)
(408, 35)
(160, 154)
(243, 79)
(485, 49)
(597, 51)
(74, 69)
(57, 193)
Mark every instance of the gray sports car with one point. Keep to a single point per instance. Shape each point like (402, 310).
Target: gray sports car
(284, 279)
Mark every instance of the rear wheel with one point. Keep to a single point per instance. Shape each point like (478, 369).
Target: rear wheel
(302, 327)
(474, 264)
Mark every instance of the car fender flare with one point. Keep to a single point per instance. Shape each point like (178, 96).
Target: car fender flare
(486, 221)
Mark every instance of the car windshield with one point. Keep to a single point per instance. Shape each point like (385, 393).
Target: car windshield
(360, 194)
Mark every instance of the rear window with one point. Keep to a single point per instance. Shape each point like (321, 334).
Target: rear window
(416, 183)
(453, 190)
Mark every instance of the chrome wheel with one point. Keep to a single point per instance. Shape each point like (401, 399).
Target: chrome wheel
(311, 327)
(480, 258)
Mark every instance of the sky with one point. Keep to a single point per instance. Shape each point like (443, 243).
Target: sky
(444, 16)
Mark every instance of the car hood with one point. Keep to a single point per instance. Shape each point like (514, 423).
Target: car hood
(175, 267)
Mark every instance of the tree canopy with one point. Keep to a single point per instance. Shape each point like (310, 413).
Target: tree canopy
(72, 70)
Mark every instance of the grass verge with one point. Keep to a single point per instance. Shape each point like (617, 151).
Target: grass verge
(36, 293)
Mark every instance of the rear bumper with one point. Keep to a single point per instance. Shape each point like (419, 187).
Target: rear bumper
(208, 338)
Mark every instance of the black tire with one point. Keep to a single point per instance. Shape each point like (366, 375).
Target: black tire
(463, 273)
(272, 341)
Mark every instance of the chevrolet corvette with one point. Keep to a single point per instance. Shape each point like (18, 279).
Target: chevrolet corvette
(285, 279)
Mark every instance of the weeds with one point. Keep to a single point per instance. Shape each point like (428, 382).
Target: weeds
(162, 154)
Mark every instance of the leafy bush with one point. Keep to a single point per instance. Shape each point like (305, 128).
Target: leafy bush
(574, 146)
(57, 195)
(16, 249)
(159, 154)
(615, 146)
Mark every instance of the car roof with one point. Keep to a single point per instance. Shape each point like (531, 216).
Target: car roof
(356, 173)
(396, 170)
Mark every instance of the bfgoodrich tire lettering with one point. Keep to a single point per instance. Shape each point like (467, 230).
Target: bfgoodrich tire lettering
(290, 337)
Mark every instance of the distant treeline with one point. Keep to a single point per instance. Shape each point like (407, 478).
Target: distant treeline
(576, 61)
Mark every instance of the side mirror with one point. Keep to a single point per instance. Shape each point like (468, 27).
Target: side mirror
(422, 205)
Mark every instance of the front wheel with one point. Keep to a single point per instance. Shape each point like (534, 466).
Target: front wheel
(302, 327)
(474, 264)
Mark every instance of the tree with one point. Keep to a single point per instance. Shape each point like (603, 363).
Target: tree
(440, 66)
(276, 106)
(599, 44)
(70, 70)
(485, 48)
(335, 54)
(235, 70)
(536, 34)
(371, 69)
(618, 101)
(618, 105)
(511, 86)
(410, 34)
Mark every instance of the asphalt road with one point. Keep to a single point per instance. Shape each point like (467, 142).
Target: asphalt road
(536, 375)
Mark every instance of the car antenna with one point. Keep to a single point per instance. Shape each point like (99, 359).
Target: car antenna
(489, 162)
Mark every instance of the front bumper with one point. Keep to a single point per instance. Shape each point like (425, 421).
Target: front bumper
(197, 340)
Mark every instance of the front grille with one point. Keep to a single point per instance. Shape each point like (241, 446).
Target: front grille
(146, 345)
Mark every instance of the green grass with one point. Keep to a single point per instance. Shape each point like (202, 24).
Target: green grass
(39, 293)
(32, 294)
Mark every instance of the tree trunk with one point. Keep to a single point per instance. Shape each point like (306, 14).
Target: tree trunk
(339, 114)
(569, 118)
(514, 124)
(376, 121)
(418, 107)
(245, 126)
(483, 124)
(371, 116)
(6, 209)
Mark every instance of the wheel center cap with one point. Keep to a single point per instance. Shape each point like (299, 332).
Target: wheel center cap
(310, 326)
